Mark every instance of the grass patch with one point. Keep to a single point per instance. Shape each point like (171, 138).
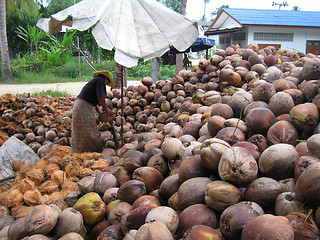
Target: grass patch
(31, 77)
(51, 93)
(69, 72)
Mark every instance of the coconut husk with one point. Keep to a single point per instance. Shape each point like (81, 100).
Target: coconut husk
(54, 160)
(18, 177)
(58, 177)
(68, 185)
(14, 198)
(32, 197)
(85, 172)
(3, 137)
(49, 186)
(88, 163)
(12, 128)
(51, 168)
(20, 117)
(17, 165)
(57, 196)
(19, 211)
(100, 165)
(26, 185)
(42, 163)
(73, 169)
(36, 175)
(60, 152)
(24, 168)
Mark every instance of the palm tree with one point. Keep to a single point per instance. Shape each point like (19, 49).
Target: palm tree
(296, 8)
(5, 60)
(29, 7)
(204, 11)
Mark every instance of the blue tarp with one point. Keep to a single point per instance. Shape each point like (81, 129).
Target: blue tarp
(200, 44)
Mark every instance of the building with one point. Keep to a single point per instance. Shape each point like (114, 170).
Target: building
(285, 29)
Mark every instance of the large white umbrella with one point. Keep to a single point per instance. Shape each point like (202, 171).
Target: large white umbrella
(134, 28)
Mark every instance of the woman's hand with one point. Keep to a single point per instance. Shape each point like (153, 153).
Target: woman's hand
(110, 114)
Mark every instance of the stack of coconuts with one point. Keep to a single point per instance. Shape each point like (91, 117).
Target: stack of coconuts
(229, 150)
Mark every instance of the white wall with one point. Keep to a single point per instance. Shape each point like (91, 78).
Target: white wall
(300, 37)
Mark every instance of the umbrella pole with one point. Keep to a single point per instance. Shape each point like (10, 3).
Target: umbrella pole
(121, 131)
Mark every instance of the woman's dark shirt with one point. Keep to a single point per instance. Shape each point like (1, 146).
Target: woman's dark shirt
(92, 90)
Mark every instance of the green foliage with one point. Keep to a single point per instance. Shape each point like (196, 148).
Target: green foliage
(144, 69)
(27, 7)
(28, 62)
(172, 4)
(15, 43)
(218, 10)
(51, 93)
(56, 51)
(55, 6)
(32, 36)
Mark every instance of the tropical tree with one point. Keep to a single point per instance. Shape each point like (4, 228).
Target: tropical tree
(5, 60)
(55, 6)
(7, 9)
(32, 36)
(204, 10)
(218, 10)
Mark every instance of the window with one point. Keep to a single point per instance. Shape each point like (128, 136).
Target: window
(239, 36)
(284, 37)
(222, 40)
(313, 43)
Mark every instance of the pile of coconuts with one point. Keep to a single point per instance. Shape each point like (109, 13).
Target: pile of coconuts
(229, 150)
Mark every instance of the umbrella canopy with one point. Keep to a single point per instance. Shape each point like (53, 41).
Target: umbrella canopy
(135, 28)
(200, 44)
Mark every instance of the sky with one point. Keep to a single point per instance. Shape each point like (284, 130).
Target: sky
(195, 8)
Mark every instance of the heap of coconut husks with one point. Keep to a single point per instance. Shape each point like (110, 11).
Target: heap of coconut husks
(228, 150)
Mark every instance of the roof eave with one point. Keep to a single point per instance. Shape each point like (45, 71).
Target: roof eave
(228, 30)
(279, 26)
(220, 14)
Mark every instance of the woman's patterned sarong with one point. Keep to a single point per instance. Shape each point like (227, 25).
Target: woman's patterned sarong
(85, 136)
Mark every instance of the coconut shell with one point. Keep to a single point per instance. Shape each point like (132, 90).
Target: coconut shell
(41, 219)
(16, 229)
(70, 220)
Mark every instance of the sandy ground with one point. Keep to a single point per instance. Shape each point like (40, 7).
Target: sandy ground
(72, 88)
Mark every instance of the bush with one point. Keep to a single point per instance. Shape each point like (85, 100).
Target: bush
(144, 69)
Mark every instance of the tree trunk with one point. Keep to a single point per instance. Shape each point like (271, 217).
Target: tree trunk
(5, 60)
(155, 69)
(120, 72)
(179, 57)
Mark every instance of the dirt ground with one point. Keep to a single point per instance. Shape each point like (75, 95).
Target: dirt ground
(72, 88)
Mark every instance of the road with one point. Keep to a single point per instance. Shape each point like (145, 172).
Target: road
(72, 88)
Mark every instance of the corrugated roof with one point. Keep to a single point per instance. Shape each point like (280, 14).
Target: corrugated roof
(275, 17)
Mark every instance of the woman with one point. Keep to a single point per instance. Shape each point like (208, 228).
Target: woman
(85, 136)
